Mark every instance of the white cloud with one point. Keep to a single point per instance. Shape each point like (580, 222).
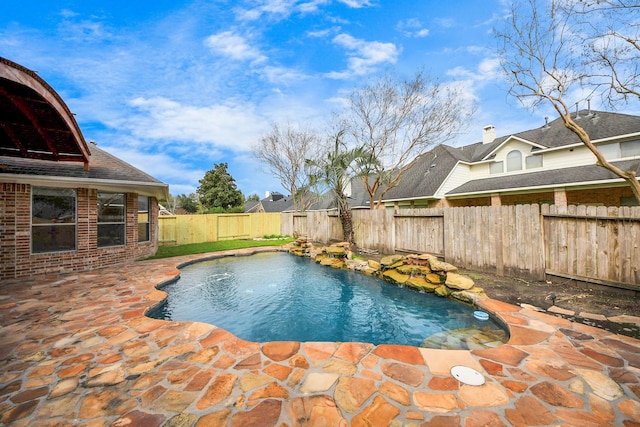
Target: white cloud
(446, 22)
(320, 33)
(363, 55)
(278, 9)
(357, 4)
(233, 46)
(312, 6)
(232, 127)
(487, 70)
(282, 75)
(412, 28)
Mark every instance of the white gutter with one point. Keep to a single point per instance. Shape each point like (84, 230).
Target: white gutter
(585, 184)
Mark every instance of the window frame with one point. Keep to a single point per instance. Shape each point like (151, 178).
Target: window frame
(110, 224)
(511, 157)
(538, 158)
(146, 223)
(53, 224)
(493, 167)
(630, 149)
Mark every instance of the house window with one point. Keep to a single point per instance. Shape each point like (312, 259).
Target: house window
(630, 148)
(111, 219)
(514, 161)
(53, 220)
(533, 162)
(144, 220)
(496, 167)
(610, 151)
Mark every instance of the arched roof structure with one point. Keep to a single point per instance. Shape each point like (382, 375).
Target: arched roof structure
(35, 122)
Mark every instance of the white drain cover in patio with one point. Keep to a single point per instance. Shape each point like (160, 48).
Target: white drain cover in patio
(467, 375)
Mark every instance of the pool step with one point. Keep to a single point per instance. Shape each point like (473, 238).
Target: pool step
(471, 338)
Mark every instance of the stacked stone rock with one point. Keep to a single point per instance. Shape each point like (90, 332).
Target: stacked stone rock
(423, 272)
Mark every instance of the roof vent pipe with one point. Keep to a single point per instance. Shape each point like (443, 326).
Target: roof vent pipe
(589, 106)
(546, 121)
(577, 112)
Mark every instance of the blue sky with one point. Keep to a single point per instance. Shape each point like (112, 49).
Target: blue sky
(175, 86)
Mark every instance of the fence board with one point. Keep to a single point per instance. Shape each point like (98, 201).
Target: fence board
(583, 242)
(187, 229)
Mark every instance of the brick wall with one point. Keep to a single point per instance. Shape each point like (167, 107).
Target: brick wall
(601, 196)
(17, 261)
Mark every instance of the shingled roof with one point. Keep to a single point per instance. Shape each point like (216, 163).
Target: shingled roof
(598, 124)
(106, 172)
(587, 174)
(424, 176)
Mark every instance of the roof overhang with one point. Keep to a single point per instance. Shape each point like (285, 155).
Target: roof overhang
(35, 122)
(158, 190)
(541, 188)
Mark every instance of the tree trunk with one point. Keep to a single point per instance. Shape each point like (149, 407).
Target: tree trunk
(346, 219)
(347, 225)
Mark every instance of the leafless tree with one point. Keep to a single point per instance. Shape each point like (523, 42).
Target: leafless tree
(395, 120)
(551, 50)
(284, 151)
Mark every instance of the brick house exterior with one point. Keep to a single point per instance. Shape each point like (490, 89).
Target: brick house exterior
(46, 166)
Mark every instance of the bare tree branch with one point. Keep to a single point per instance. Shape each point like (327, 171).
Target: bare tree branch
(396, 120)
(284, 150)
(550, 48)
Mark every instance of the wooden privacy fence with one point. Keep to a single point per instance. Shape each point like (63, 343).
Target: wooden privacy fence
(585, 243)
(186, 229)
(593, 243)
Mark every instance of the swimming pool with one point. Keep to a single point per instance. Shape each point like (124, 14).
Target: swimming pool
(280, 297)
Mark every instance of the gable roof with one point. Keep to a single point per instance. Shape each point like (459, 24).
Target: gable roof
(423, 177)
(107, 172)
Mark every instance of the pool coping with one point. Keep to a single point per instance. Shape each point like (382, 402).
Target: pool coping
(90, 356)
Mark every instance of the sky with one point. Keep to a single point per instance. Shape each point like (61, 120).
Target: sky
(174, 86)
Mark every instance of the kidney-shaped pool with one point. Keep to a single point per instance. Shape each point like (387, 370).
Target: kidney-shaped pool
(280, 297)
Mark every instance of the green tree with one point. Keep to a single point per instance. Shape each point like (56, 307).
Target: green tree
(253, 198)
(218, 189)
(335, 172)
(188, 203)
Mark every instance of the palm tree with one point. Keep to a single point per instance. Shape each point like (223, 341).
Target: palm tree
(335, 171)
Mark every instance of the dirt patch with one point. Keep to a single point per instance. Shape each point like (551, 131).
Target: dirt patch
(582, 299)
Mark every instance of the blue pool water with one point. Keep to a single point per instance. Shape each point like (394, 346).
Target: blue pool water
(281, 297)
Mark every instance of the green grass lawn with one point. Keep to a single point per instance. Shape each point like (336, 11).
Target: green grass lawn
(225, 245)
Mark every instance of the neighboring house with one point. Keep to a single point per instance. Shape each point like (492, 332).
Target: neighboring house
(357, 197)
(65, 205)
(547, 164)
(273, 202)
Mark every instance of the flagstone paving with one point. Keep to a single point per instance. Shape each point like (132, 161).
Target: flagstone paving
(78, 350)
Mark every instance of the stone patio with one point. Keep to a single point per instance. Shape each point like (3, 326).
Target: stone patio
(78, 350)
